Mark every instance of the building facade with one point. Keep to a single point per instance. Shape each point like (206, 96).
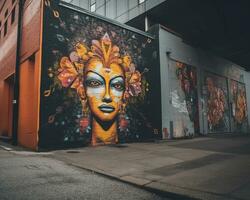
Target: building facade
(26, 83)
(70, 74)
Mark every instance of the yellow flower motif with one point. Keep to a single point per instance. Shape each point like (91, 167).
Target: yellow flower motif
(136, 77)
(90, 54)
(119, 61)
(127, 61)
(65, 63)
(79, 66)
(81, 50)
(85, 57)
(68, 73)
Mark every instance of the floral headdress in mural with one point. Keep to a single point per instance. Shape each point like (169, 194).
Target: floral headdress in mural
(71, 73)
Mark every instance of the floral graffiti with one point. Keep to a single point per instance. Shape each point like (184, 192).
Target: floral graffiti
(239, 103)
(217, 104)
(186, 74)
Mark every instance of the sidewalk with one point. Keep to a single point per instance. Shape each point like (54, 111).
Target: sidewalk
(215, 167)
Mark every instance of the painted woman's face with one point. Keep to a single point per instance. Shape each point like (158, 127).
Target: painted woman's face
(104, 89)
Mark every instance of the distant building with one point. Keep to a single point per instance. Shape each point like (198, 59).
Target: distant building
(119, 10)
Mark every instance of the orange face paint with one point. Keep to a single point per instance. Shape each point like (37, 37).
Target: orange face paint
(104, 89)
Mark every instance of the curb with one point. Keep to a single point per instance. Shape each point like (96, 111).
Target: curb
(162, 193)
(6, 148)
(194, 195)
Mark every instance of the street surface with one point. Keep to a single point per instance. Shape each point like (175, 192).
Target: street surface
(26, 175)
(215, 167)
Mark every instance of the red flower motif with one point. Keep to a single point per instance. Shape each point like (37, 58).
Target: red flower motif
(84, 123)
(134, 84)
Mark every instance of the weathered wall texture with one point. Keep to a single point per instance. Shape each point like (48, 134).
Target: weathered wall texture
(184, 98)
(222, 104)
(98, 81)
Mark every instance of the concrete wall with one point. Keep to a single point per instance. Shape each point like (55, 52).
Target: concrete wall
(172, 49)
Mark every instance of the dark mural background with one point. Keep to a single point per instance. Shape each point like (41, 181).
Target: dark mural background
(75, 45)
(238, 106)
(216, 99)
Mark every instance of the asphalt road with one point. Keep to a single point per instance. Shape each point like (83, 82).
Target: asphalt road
(37, 177)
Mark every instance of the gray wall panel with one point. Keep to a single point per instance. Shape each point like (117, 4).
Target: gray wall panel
(203, 61)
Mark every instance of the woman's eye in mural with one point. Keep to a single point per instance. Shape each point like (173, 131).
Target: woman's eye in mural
(93, 83)
(94, 80)
(117, 83)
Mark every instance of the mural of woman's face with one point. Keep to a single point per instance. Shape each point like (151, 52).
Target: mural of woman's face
(104, 89)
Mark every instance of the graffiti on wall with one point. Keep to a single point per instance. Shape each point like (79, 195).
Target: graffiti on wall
(95, 83)
(187, 77)
(184, 98)
(217, 103)
(104, 81)
(238, 105)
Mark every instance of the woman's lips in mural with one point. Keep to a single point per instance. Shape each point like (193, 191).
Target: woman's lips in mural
(106, 108)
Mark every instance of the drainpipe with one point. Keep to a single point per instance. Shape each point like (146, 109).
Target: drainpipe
(16, 75)
(146, 23)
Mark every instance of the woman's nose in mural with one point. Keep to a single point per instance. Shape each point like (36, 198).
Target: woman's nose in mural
(107, 97)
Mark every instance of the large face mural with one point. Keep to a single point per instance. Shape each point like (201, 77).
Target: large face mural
(104, 81)
(96, 81)
(238, 106)
(216, 103)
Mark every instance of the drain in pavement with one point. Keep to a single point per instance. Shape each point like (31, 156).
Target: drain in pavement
(118, 145)
(72, 151)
